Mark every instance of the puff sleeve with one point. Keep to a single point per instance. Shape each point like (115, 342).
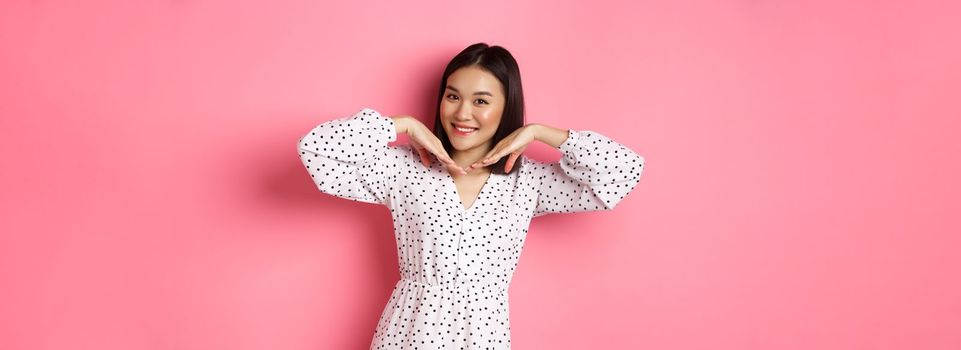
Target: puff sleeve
(349, 157)
(594, 173)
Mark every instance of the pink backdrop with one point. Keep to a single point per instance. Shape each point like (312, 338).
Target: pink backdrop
(801, 189)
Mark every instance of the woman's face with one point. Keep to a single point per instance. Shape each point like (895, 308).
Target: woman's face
(473, 101)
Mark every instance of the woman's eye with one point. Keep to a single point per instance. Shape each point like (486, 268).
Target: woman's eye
(452, 96)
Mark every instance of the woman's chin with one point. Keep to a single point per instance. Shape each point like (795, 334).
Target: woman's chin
(461, 147)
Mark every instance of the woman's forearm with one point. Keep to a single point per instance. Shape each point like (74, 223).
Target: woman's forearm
(401, 123)
(549, 134)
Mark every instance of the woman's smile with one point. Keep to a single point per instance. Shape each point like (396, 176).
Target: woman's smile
(460, 130)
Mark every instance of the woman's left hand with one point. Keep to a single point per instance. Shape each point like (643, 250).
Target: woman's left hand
(512, 145)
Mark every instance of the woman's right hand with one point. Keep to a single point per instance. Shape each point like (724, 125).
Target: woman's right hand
(425, 142)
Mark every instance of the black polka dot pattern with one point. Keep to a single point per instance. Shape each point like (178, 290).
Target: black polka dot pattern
(594, 173)
(456, 263)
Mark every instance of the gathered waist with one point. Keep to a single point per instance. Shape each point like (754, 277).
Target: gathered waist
(487, 286)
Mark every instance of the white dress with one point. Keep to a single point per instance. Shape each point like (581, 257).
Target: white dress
(455, 263)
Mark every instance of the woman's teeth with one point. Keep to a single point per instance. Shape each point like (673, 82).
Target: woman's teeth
(465, 130)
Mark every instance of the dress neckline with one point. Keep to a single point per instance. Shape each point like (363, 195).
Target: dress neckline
(480, 195)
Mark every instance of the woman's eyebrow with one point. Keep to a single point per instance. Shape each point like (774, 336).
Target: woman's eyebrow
(476, 93)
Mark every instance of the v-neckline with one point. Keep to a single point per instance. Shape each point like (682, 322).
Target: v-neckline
(456, 192)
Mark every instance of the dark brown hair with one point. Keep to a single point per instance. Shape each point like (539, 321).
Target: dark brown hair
(500, 63)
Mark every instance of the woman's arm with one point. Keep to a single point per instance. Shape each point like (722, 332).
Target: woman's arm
(350, 157)
(594, 173)
(549, 134)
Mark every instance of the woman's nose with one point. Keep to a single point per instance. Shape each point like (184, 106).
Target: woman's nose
(463, 112)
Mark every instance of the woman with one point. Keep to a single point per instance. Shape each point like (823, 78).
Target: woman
(461, 215)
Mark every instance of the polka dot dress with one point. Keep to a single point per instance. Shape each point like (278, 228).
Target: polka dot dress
(456, 263)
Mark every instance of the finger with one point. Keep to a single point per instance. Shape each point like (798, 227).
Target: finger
(482, 162)
(496, 157)
(485, 160)
(441, 155)
(491, 153)
(459, 170)
(424, 158)
(453, 165)
(456, 168)
(476, 165)
(510, 161)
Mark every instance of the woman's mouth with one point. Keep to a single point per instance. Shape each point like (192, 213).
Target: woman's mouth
(464, 131)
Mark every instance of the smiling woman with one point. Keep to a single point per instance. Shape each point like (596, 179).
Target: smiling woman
(480, 90)
(460, 226)
(471, 124)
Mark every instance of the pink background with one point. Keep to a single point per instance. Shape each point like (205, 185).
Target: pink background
(801, 188)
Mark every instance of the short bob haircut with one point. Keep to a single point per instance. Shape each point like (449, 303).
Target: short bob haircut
(500, 63)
